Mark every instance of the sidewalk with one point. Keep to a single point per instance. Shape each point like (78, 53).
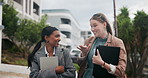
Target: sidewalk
(12, 75)
(13, 71)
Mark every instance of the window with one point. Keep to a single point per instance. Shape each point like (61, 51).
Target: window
(35, 8)
(89, 32)
(69, 47)
(66, 33)
(65, 21)
(82, 32)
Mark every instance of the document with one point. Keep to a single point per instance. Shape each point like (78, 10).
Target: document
(48, 62)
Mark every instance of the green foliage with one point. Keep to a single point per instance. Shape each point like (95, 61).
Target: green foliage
(134, 34)
(76, 66)
(14, 49)
(16, 61)
(29, 32)
(10, 21)
(1, 0)
(43, 21)
(26, 32)
(21, 62)
(125, 25)
(5, 60)
(141, 25)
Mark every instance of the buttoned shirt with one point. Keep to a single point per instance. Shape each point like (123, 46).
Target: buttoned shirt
(47, 54)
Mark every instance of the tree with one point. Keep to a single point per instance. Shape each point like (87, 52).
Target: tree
(141, 40)
(23, 32)
(1, 0)
(125, 30)
(29, 33)
(10, 21)
(135, 37)
(125, 27)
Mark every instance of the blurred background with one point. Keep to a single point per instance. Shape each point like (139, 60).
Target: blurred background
(21, 22)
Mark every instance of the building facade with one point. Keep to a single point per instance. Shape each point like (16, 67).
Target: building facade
(65, 22)
(29, 9)
(86, 34)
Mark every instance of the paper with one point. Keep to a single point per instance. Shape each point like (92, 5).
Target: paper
(48, 62)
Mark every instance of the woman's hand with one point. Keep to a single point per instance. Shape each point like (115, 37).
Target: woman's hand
(59, 69)
(84, 49)
(97, 59)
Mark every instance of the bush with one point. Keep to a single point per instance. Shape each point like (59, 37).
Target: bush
(76, 66)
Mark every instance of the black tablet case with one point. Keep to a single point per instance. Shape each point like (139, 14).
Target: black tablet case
(111, 56)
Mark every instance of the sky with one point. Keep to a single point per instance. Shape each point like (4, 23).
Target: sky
(82, 10)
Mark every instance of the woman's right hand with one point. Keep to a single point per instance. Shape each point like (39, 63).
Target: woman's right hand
(59, 69)
(84, 49)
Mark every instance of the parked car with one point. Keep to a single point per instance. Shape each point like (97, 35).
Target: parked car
(75, 53)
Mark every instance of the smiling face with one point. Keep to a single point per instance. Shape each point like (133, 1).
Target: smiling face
(98, 28)
(53, 39)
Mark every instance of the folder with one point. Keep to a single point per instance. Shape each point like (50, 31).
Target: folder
(109, 55)
(46, 63)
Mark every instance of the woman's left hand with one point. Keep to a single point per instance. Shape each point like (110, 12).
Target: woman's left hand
(97, 59)
(59, 69)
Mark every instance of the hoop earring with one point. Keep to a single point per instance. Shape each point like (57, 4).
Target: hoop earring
(47, 41)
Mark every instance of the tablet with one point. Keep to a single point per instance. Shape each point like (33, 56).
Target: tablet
(48, 62)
